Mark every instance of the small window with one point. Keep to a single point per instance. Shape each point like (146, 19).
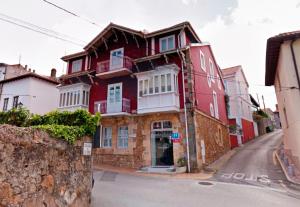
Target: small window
(140, 88)
(151, 85)
(156, 125)
(211, 108)
(202, 61)
(167, 43)
(5, 104)
(212, 70)
(123, 137)
(156, 84)
(163, 83)
(76, 65)
(209, 80)
(169, 85)
(107, 137)
(15, 101)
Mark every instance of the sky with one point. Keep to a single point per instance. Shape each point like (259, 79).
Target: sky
(236, 29)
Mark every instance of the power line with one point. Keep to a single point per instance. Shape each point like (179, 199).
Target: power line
(72, 13)
(35, 28)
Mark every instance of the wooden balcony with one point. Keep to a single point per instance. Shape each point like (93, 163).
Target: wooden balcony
(105, 69)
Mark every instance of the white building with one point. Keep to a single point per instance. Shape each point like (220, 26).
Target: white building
(35, 92)
(283, 71)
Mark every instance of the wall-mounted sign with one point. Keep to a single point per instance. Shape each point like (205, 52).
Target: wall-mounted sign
(175, 137)
(87, 148)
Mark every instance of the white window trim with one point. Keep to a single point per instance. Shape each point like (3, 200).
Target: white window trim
(209, 80)
(166, 38)
(212, 110)
(202, 61)
(212, 70)
(215, 102)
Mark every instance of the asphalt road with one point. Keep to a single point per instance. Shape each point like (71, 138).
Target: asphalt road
(254, 159)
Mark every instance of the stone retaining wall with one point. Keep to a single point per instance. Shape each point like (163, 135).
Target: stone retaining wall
(37, 170)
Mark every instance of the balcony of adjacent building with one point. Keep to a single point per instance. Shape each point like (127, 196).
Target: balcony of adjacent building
(113, 107)
(117, 65)
(73, 97)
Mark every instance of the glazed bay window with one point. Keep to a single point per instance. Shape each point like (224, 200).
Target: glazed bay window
(123, 137)
(158, 89)
(167, 43)
(75, 96)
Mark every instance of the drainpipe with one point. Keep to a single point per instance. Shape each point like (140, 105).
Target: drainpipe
(185, 113)
(295, 63)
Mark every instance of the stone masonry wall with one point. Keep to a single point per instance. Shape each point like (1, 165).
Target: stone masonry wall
(39, 171)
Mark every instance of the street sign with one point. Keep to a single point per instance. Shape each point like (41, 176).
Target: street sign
(175, 137)
(87, 148)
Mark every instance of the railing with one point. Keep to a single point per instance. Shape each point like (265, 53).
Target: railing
(105, 66)
(101, 107)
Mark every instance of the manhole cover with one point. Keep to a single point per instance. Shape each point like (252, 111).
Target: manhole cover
(205, 183)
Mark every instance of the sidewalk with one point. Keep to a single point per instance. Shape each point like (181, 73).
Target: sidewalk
(134, 172)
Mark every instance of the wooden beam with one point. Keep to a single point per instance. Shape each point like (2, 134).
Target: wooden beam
(126, 40)
(91, 78)
(152, 66)
(166, 58)
(105, 43)
(136, 41)
(115, 34)
(137, 67)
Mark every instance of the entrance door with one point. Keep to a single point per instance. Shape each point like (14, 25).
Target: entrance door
(162, 145)
(114, 98)
(116, 58)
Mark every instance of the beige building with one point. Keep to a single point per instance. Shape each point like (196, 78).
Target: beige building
(282, 71)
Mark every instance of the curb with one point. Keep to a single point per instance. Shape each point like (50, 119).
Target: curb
(284, 170)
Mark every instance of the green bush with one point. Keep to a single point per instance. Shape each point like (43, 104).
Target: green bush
(16, 116)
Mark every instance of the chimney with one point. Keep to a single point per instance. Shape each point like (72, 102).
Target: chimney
(29, 70)
(33, 71)
(25, 67)
(53, 73)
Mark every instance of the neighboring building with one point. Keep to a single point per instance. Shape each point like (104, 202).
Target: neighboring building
(239, 108)
(277, 121)
(35, 92)
(254, 108)
(282, 71)
(135, 80)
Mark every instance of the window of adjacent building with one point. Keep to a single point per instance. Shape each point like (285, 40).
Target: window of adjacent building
(216, 107)
(202, 61)
(15, 101)
(5, 104)
(212, 70)
(123, 137)
(167, 43)
(107, 137)
(76, 65)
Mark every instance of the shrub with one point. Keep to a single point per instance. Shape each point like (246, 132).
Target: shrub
(181, 162)
(16, 116)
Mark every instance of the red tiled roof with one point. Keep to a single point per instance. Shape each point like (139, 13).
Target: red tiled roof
(31, 74)
(272, 53)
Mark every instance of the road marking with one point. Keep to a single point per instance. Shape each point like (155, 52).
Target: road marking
(242, 176)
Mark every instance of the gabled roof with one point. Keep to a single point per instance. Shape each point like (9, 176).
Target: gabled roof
(272, 53)
(232, 71)
(31, 74)
(74, 55)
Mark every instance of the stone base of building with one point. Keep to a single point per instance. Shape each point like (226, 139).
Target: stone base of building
(212, 139)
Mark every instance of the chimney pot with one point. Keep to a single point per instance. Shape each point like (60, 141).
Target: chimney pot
(33, 71)
(29, 70)
(25, 67)
(53, 73)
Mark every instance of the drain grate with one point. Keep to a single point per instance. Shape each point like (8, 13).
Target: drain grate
(205, 183)
(108, 176)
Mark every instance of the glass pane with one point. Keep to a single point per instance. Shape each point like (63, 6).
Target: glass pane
(83, 98)
(140, 88)
(87, 98)
(111, 95)
(167, 124)
(78, 97)
(118, 94)
(151, 85)
(60, 99)
(145, 87)
(157, 125)
(163, 45)
(163, 83)
(156, 84)
(169, 87)
(171, 43)
(75, 97)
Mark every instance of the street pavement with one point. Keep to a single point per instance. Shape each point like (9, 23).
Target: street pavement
(250, 178)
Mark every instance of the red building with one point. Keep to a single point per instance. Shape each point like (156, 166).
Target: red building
(150, 88)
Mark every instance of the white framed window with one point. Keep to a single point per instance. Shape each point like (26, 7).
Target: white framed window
(167, 43)
(15, 101)
(169, 85)
(202, 61)
(116, 58)
(209, 80)
(123, 137)
(212, 70)
(216, 107)
(211, 108)
(219, 82)
(76, 65)
(5, 104)
(107, 137)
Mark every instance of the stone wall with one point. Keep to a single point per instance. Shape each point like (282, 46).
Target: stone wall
(37, 170)
(215, 136)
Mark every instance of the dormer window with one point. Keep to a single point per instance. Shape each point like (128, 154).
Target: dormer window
(167, 43)
(76, 65)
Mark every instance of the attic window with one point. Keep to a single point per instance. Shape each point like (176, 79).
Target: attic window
(76, 65)
(167, 43)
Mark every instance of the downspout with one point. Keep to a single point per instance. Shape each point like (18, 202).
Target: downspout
(183, 63)
(295, 62)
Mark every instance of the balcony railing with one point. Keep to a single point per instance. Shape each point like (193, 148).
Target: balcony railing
(105, 66)
(101, 107)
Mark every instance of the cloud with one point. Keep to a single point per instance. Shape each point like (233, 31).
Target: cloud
(186, 2)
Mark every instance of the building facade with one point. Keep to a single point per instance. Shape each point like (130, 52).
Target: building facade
(282, 71)
(35, 92)
(160, 95)
(239, 107)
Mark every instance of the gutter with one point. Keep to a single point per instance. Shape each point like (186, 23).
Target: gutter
(295, 62)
